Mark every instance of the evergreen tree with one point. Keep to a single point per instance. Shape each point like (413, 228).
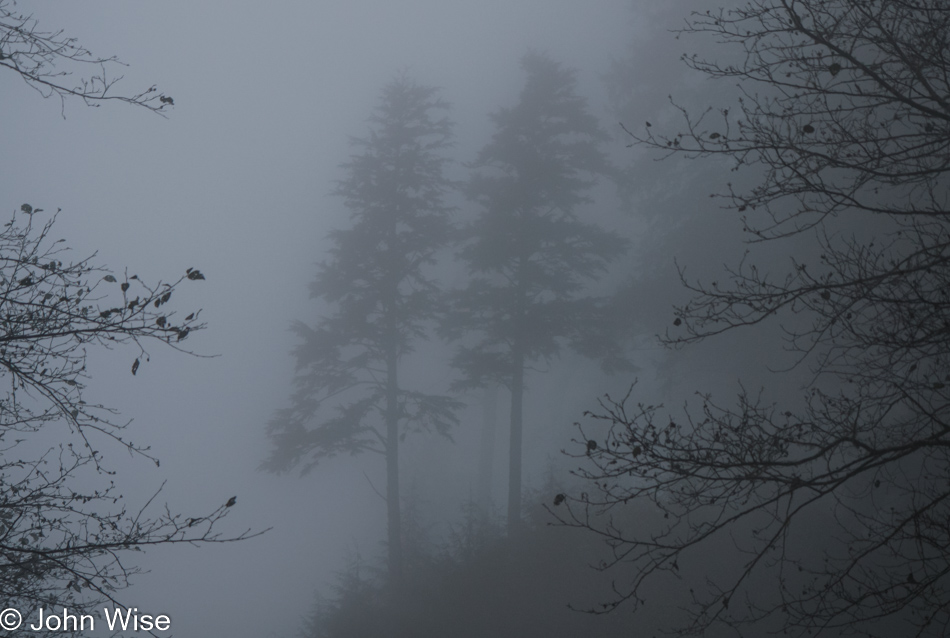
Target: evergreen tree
(529, 254)
(379, 299)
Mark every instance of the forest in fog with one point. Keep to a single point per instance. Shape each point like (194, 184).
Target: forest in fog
(511, 319)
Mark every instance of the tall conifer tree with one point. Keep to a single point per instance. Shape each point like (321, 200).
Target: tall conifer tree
(529, 254)
(378, 301)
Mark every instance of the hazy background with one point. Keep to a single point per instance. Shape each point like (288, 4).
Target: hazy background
(235, 183)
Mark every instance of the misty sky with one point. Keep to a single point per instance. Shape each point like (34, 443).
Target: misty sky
(235, 182)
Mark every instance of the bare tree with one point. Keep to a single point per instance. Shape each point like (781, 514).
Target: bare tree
(65, 532)
(844, 119)
(63, 527)
(47, 61)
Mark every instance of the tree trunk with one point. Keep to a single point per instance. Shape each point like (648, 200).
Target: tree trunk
(486, 454)
(393, 518)
(514, 447)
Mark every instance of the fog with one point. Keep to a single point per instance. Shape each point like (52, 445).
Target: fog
(237, 179)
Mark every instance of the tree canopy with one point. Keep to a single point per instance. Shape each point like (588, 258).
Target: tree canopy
(843, 122)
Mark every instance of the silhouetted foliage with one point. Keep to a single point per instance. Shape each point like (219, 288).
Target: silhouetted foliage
(46, 60)
(379, 299)
(64, 535)
(844, 111)
(529, 254)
